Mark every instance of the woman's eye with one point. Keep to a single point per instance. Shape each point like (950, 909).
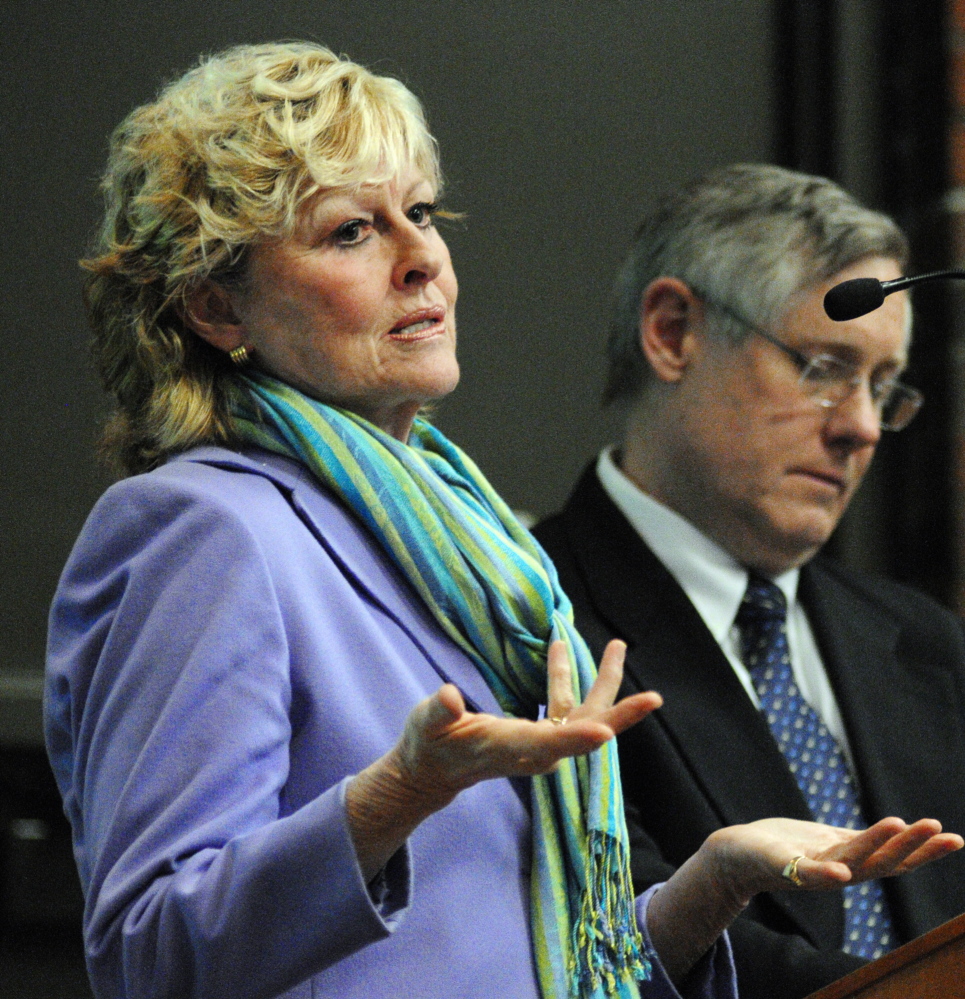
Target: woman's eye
(421, 214)
(350, 232)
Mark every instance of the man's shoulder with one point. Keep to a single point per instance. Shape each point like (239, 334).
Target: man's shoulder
(587, 490)
(851, 588)
(896, 597)
(587, 519)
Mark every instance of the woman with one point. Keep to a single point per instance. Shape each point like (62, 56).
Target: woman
(297, 658)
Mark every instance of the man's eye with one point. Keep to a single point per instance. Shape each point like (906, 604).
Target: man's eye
(823, 369)
(883, 390)
(421, 214)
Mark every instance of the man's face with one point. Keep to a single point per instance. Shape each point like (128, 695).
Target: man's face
(757, 464)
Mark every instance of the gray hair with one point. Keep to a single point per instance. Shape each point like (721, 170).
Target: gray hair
(746, 237)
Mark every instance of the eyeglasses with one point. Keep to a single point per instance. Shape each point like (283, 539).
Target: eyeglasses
(829, 380)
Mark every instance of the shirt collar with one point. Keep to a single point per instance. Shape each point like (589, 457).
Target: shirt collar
(713, 580)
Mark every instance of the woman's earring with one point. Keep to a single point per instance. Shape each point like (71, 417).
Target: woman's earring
(240, 356)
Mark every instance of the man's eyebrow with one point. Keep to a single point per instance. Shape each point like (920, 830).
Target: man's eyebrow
(848, 352)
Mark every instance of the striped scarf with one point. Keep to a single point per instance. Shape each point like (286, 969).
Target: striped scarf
(495, 593)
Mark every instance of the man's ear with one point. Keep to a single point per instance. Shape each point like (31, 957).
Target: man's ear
(670, 316)
(209, 311)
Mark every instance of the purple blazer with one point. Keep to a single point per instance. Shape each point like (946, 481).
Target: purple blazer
(227, 647)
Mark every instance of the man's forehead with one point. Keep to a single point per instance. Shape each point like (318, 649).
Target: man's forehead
(884, 333)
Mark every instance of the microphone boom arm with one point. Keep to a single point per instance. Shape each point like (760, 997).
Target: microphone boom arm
(897, 284)
(860, 296)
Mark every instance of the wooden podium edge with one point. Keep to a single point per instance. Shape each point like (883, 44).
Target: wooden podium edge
(907, 954)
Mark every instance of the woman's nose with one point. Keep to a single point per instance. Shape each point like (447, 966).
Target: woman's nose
(420, 257)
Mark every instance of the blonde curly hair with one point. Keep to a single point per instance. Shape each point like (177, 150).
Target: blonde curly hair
(223, 158)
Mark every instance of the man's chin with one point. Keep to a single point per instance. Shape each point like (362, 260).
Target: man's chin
(790, 544)
(794, 548)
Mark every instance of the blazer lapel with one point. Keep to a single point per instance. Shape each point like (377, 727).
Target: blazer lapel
(671, 650)
(858, 643)
(898, 704)
(362, 561)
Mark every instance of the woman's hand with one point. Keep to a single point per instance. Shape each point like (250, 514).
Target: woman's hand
(754, 857)
(735, 863)
(444, 749)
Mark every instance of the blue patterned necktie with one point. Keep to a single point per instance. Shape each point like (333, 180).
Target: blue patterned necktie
(812, 753)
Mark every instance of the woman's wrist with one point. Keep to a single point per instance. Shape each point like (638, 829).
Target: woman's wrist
(384, 805)
(690, 912)
(733, 875)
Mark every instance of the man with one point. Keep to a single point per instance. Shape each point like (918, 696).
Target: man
(793, 686)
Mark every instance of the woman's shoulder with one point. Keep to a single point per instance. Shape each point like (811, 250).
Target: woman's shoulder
(223, 474)
(247, 485)
(238, 501)
(210, 492)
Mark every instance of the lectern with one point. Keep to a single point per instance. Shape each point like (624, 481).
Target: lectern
(930, 967)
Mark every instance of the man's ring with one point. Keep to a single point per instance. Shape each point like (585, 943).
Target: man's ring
(790, 872)
(557, 721)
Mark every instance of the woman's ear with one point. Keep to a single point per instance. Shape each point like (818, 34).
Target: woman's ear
(209, 311)
(671, 315)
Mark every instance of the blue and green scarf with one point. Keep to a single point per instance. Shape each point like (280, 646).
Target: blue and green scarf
(495, 593)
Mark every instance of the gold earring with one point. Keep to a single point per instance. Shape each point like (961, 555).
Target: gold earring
(240, 356)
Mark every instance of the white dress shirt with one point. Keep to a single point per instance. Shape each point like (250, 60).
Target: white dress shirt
(715, 583)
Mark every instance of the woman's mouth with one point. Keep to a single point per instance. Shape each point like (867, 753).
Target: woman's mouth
(419, 326)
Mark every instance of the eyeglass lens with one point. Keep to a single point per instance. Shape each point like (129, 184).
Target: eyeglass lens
(830, 381)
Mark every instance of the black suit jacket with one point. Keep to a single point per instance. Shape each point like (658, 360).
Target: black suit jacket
(707, 759)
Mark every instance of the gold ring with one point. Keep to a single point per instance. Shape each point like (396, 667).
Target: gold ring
(557, 721)
(791, 874)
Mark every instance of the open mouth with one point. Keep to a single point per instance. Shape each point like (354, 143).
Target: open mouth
(419, 325)
(415, 329)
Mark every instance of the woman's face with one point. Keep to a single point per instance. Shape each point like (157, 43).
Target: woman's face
(357, 307)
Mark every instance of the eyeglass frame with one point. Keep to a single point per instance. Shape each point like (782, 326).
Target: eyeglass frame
(882, 393)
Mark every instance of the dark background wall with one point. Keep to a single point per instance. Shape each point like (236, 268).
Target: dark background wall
(862, 95)
(560, 125)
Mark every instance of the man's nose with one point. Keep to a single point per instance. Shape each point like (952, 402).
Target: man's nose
(856, 419)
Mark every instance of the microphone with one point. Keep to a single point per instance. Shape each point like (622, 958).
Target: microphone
(860, 296)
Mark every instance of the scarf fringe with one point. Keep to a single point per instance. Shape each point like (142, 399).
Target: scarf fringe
(608, 949)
